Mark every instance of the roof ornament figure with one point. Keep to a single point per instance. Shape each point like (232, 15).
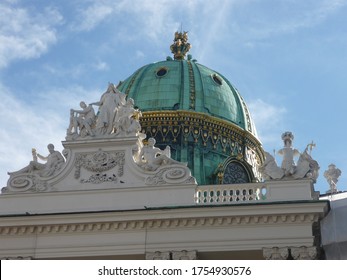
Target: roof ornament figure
(180, 47)
(34, 176)
(116, 117)
(332, 175)
(305, 167)
(151, 157)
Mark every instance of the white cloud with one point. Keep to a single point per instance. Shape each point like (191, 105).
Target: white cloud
(269, 121)
(152, 18)
(26, 125)
(24, 35)
(92, 16)
(101, 66)
(139, 54)
(304, 14)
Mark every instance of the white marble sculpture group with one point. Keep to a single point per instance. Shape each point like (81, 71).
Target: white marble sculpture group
(116, 119)
(305, 167)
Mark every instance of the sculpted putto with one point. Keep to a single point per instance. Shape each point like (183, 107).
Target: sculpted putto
(306, 166)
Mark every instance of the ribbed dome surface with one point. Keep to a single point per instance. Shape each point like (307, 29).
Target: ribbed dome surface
(200, 115)
(187, 85)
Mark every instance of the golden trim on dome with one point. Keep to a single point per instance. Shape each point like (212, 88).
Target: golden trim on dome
(200, 126)
(192, 98)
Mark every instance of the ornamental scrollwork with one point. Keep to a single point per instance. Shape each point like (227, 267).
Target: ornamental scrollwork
(170, 175)
(100, 161)
(25, 183)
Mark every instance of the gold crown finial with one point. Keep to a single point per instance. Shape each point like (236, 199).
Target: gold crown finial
(180, 46)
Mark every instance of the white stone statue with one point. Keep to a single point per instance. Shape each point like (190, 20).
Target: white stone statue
(332, 175)
(151, 158)
(127, 119)
(288, 154)
(306, 166)
(269, 168)
(81, 121)
(54, 163)
(108, 106)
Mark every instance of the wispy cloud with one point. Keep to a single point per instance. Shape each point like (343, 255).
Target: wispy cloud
(101, 66)
(270, 121)
(152, 18)
(34, 125)
(93, 15)
(304, 14)
(25, 35)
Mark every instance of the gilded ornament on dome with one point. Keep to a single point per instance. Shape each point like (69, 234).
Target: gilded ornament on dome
(180, 47)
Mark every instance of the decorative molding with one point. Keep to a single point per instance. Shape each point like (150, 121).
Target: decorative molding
(191, 86)
(18, 258)
(98, 162)
(209, 128)
(158, 255)
(297, 253)
(155, 224)
(26, 183)
(304, 253)
(172, 255)
(209, 132)
(100, 178)
(184, 255)
(174, 174)
(276, 253)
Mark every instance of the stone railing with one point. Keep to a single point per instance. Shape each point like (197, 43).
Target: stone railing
(230, 194)
(289, 190)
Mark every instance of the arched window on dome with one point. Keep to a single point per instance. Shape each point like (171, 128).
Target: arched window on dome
(236, 172)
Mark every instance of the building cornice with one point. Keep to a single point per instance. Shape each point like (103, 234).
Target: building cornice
(164, 219)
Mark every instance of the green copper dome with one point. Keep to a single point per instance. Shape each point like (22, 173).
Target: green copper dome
(199, 114)
(187, 85)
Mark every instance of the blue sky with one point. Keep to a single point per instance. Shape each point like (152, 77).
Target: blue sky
(288, 59)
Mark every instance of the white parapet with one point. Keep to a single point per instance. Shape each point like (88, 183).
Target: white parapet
(271, 191)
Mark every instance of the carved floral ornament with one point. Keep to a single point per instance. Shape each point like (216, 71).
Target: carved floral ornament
(172, 255)
(99, 163)
(296, 253)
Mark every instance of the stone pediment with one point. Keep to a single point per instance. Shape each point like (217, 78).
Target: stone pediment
(102, 151)
(98, 165)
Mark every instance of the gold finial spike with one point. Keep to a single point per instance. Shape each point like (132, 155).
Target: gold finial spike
(180, 47)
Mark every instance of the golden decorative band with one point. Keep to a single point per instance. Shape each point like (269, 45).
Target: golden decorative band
(171, 124)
